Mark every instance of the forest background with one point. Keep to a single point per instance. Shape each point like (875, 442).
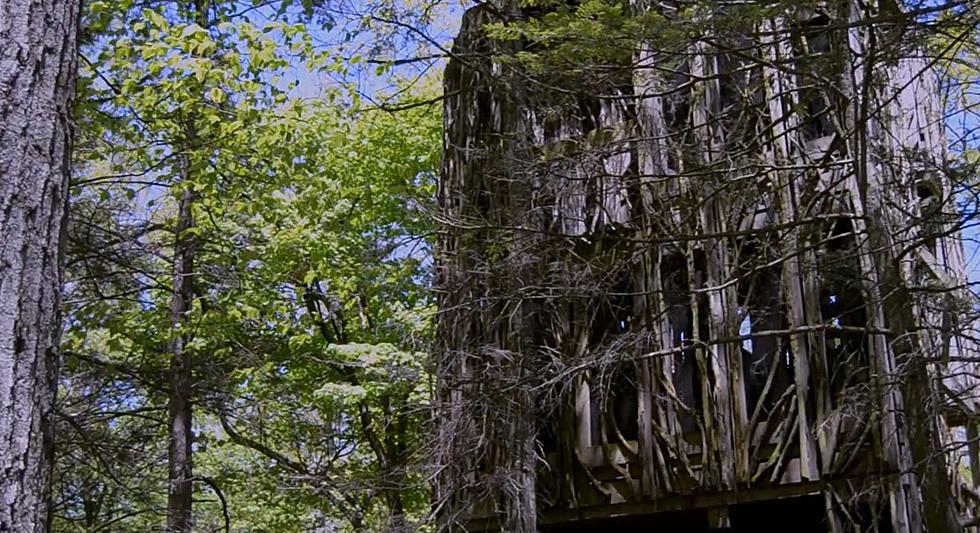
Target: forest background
(248, 305)
(258, 178)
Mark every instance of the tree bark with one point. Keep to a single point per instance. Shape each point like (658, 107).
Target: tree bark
(181, 484)
(38, 59)
(180, 415)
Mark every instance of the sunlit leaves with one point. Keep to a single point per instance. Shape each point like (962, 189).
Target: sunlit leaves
(310, 305)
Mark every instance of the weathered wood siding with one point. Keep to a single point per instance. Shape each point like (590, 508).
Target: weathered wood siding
(656, 286)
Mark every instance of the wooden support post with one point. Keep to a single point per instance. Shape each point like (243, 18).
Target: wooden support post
(973, 448)
(780, 85)
(718, 519)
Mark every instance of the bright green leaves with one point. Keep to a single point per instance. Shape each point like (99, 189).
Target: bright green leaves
(155, 20)
(162, 69)
(378, 367)
(595, 30)
(563, 37)
(216, 95)
(344, 392)
(312, 248)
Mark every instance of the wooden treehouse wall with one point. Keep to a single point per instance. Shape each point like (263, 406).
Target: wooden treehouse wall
(656, 286)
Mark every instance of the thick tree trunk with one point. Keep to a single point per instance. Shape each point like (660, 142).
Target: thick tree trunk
(181, 486)
(38, 53)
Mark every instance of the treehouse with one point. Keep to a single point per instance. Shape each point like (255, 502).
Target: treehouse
(718, 287)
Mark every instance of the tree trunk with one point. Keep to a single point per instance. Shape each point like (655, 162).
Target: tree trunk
(38, 53)
(180, 416)
(181, 486)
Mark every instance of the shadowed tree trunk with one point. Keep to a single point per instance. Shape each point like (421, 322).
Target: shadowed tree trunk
(180, 415)
(181, 486)
(38, 53)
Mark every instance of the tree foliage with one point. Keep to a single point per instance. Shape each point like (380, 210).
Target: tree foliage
(309, 312)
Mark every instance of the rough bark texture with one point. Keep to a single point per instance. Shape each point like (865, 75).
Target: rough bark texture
(38, 53)
(180, 493)
(181, 486)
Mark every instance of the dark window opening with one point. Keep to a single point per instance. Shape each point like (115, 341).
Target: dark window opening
(842, 306)
(847, 356)
(677, 118)
(818, 68)
(677, 302)
(700, 276)
(818, 121)
(590, 110)
(925, 190)
(615, 404)
(840, 240)
(743, 99)
(764, 354)
(547, 431)
(930, 206)
(614, 396)
(613, 314)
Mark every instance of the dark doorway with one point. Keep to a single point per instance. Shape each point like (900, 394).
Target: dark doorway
(804, 514)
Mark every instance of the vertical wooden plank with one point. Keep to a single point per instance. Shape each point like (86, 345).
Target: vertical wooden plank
(645, 436)
(973, 450)
(655, 180)
(725, 363)
(903, 497)
(780, 88)
(712, 442)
